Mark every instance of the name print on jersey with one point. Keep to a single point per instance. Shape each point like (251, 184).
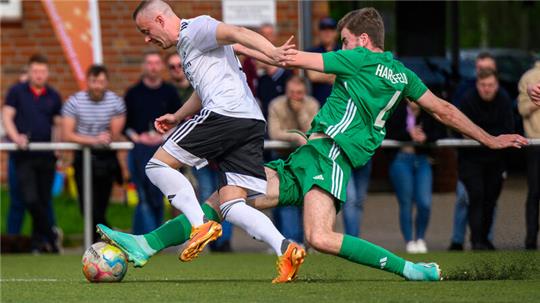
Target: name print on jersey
(384, 72)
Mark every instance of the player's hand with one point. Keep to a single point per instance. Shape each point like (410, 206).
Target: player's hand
(534, 93)
(505, 141)
(283, 53)
(165, 123)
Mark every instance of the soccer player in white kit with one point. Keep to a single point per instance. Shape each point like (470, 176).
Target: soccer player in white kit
(227, 129)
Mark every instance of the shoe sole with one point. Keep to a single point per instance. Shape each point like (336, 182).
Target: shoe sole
(297, 258)
(194, 249)
(439, 272)
(136, 261)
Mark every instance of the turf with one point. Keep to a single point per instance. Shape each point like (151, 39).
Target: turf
(490, 277)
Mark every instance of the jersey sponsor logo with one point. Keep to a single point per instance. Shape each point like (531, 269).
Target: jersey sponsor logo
(318, 177)
(388, 74)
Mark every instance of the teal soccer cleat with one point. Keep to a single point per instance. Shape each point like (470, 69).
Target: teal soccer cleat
(422, 271)
(135, 247)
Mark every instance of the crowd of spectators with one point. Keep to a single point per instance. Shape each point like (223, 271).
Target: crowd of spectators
(34, 112)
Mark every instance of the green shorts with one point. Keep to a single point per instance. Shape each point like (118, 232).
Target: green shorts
(318, 163)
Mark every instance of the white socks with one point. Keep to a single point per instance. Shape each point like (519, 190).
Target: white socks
(177, 189)
(253, 222)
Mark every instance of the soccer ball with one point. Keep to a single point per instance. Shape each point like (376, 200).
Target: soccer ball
(104, 263)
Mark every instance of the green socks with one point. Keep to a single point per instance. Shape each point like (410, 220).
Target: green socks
(366, 253)
(177, 230)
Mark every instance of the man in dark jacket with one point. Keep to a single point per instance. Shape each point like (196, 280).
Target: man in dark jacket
(481, 169)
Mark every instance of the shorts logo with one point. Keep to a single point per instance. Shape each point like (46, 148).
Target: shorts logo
(382, 261)
(319, 177)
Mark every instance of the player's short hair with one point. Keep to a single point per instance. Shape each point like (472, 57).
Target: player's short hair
(485, 55)
(486, 73)
(143, 5)
(37, 58)
(366, 20)
(294, 79)
(97, 69)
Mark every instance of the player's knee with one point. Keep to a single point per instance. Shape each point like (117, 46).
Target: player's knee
(318, 240)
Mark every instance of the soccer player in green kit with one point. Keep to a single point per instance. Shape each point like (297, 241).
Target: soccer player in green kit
(344, 135)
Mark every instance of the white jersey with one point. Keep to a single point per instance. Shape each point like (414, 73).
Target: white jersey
(214, 71)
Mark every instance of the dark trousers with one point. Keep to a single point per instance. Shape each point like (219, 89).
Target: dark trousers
(533, 196)
(35, 175)
(105, 170)
(483, 182)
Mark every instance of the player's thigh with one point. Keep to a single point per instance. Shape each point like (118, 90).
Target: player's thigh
(271, 198)
(319, 212)
(167, 158)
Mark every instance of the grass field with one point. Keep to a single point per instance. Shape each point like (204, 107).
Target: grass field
(490, 277)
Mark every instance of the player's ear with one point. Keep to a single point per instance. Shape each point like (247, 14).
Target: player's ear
(160, 20)
(364, 40)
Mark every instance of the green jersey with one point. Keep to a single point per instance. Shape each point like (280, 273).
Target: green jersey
(366, 91)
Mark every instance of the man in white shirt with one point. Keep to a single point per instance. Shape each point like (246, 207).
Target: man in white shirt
(227, 130)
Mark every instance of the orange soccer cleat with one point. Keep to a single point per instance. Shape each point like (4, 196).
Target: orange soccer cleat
(199, 238)
(289, 263)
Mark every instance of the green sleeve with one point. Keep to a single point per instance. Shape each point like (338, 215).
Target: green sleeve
(342, 62)
(415, 88)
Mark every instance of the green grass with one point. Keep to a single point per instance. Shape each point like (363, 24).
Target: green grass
(246, 278)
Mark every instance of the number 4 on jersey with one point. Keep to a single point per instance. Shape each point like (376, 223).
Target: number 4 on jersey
(379, 122)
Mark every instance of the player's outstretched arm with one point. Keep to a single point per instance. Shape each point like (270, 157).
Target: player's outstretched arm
(449, 115)
(305, 60)
(229, 34)
(166, 122)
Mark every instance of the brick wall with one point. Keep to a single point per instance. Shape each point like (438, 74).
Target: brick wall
(123, 45)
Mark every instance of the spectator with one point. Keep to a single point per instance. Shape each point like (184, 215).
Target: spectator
(481, 170)
(293, 111)
(484, 60)
(150, 98)
(16, 209)
(322, 83)
(411, 172)
(531, 123)
(177, 77)
(30, 112)
(95, 117)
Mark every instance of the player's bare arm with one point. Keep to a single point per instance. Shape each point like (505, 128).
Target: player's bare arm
(306, 60)
(229, 34)
(449, 115)
(166, 122)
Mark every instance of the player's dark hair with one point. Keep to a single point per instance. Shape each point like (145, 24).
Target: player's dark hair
(486, 73)
(485, 55)
(142, 5)
(366, 20)
(97, 69)
(38, 58)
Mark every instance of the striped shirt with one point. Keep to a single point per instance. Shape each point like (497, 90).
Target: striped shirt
(93, 117)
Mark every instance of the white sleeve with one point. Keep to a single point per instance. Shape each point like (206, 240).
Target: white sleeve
(201, 31)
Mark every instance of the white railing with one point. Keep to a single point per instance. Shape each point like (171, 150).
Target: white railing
(87, 163)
